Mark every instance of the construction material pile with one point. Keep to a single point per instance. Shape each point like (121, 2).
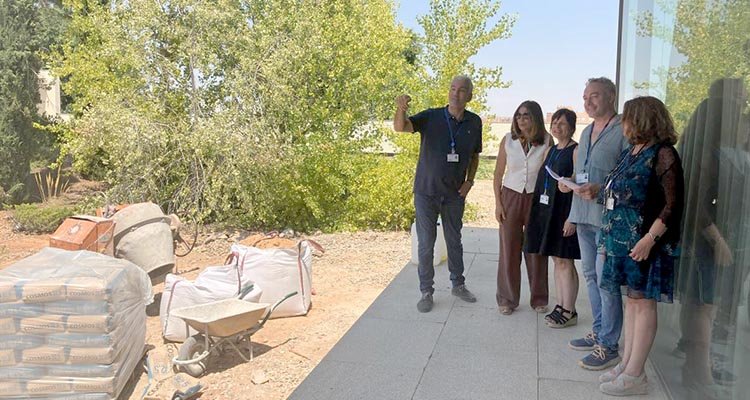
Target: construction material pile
(72, 325)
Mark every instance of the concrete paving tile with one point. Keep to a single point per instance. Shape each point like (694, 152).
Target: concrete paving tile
(482, 287)
(462, 372)
(485, 266)
(487, 328)
(483, 240)
(557, 360)
(387, 342)
(400, 303)
(335, 380)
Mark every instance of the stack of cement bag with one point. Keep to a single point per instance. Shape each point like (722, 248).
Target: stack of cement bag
(72, 325)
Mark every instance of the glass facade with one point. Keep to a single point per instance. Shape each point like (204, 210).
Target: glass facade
(695, 56)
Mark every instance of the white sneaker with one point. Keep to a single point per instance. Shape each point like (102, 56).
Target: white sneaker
(612, 374)
(626, 385)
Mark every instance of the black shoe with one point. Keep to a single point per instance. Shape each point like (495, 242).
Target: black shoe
(425, 303)
(464, 294)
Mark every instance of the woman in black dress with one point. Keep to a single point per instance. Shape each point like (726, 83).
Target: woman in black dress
(548, 232)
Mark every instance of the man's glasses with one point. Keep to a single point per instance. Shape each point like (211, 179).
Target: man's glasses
(523, 116)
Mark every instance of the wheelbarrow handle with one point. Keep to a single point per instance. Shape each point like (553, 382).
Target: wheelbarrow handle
(268, 314)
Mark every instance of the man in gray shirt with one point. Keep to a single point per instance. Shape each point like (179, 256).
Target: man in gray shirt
(451, 140)
(599, 149)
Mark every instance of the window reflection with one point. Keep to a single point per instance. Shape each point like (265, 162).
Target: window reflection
(712, 268)
(695, 55)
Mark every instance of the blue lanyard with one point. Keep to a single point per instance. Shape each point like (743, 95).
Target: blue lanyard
(552, 158)
(623, 166)
(450, 130)
(591, 145)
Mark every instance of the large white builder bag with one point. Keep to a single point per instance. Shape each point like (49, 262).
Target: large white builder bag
(213, 284)
(280, 271)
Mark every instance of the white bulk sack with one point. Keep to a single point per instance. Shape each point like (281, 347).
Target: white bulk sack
(279, 272)
(440, 252)
(213, 284)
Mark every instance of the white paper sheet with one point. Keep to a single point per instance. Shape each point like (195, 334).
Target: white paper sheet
(565, 181)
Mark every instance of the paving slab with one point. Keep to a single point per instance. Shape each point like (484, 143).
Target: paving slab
(474, 372)
(488, 329)
(459, 351)
(344, 380)
(387, 342)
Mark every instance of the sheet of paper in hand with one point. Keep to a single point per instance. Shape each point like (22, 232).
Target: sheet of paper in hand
(565, 181)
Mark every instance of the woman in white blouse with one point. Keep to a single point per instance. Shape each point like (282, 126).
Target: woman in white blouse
(521, 155)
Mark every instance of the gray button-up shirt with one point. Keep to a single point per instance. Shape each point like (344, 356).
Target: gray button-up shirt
(596, 159)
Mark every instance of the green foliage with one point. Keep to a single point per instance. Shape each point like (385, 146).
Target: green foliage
(486, 170)
(714, 39)
(36, 218)
(29, 28)
(471, 212)
(382, 195)
(455, 30)
(18, 89)
(256, 113)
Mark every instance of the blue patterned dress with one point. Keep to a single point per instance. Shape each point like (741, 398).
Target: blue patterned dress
(645, 186)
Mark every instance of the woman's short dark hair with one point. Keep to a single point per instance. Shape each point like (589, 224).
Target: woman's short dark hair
(570, 118)
(645, 118)
(538, 132)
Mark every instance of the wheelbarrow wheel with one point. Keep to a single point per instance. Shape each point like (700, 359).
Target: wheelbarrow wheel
(193, 347)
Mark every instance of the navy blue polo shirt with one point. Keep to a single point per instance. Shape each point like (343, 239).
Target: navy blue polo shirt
(435, 175)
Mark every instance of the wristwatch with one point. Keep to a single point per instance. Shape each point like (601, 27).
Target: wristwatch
(655, 238)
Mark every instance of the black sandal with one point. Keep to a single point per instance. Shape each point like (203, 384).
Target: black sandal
(553, 315)
(560, 320)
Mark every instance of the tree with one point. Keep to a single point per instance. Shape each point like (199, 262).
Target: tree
(19, 94)
(254, 111)
(454, 32)
(260, 113)
(714, 40)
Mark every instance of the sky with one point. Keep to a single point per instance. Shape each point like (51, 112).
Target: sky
(556, 45)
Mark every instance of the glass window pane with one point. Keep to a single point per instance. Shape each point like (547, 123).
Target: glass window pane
(695, 56)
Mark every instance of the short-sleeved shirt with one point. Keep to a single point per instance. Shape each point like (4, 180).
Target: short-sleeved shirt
(597, 160)
(435, 175)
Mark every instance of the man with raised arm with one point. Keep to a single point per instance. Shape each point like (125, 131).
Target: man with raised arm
(451, 140)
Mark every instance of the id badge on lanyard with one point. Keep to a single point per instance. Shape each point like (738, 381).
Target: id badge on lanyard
(544, 199)
(610, 203)
(452, 156)
(582, 177)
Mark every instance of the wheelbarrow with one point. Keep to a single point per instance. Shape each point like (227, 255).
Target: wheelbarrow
(229, 322)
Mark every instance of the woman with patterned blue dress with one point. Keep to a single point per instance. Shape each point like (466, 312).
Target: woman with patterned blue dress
(643, 199)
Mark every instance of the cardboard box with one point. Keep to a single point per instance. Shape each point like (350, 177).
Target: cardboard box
(84, 232)
(109, 210)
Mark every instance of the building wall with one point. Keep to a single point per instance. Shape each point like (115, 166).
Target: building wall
(695, 56)
(49, 94)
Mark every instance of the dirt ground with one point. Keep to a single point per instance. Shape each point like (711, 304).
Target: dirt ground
(351, 273)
